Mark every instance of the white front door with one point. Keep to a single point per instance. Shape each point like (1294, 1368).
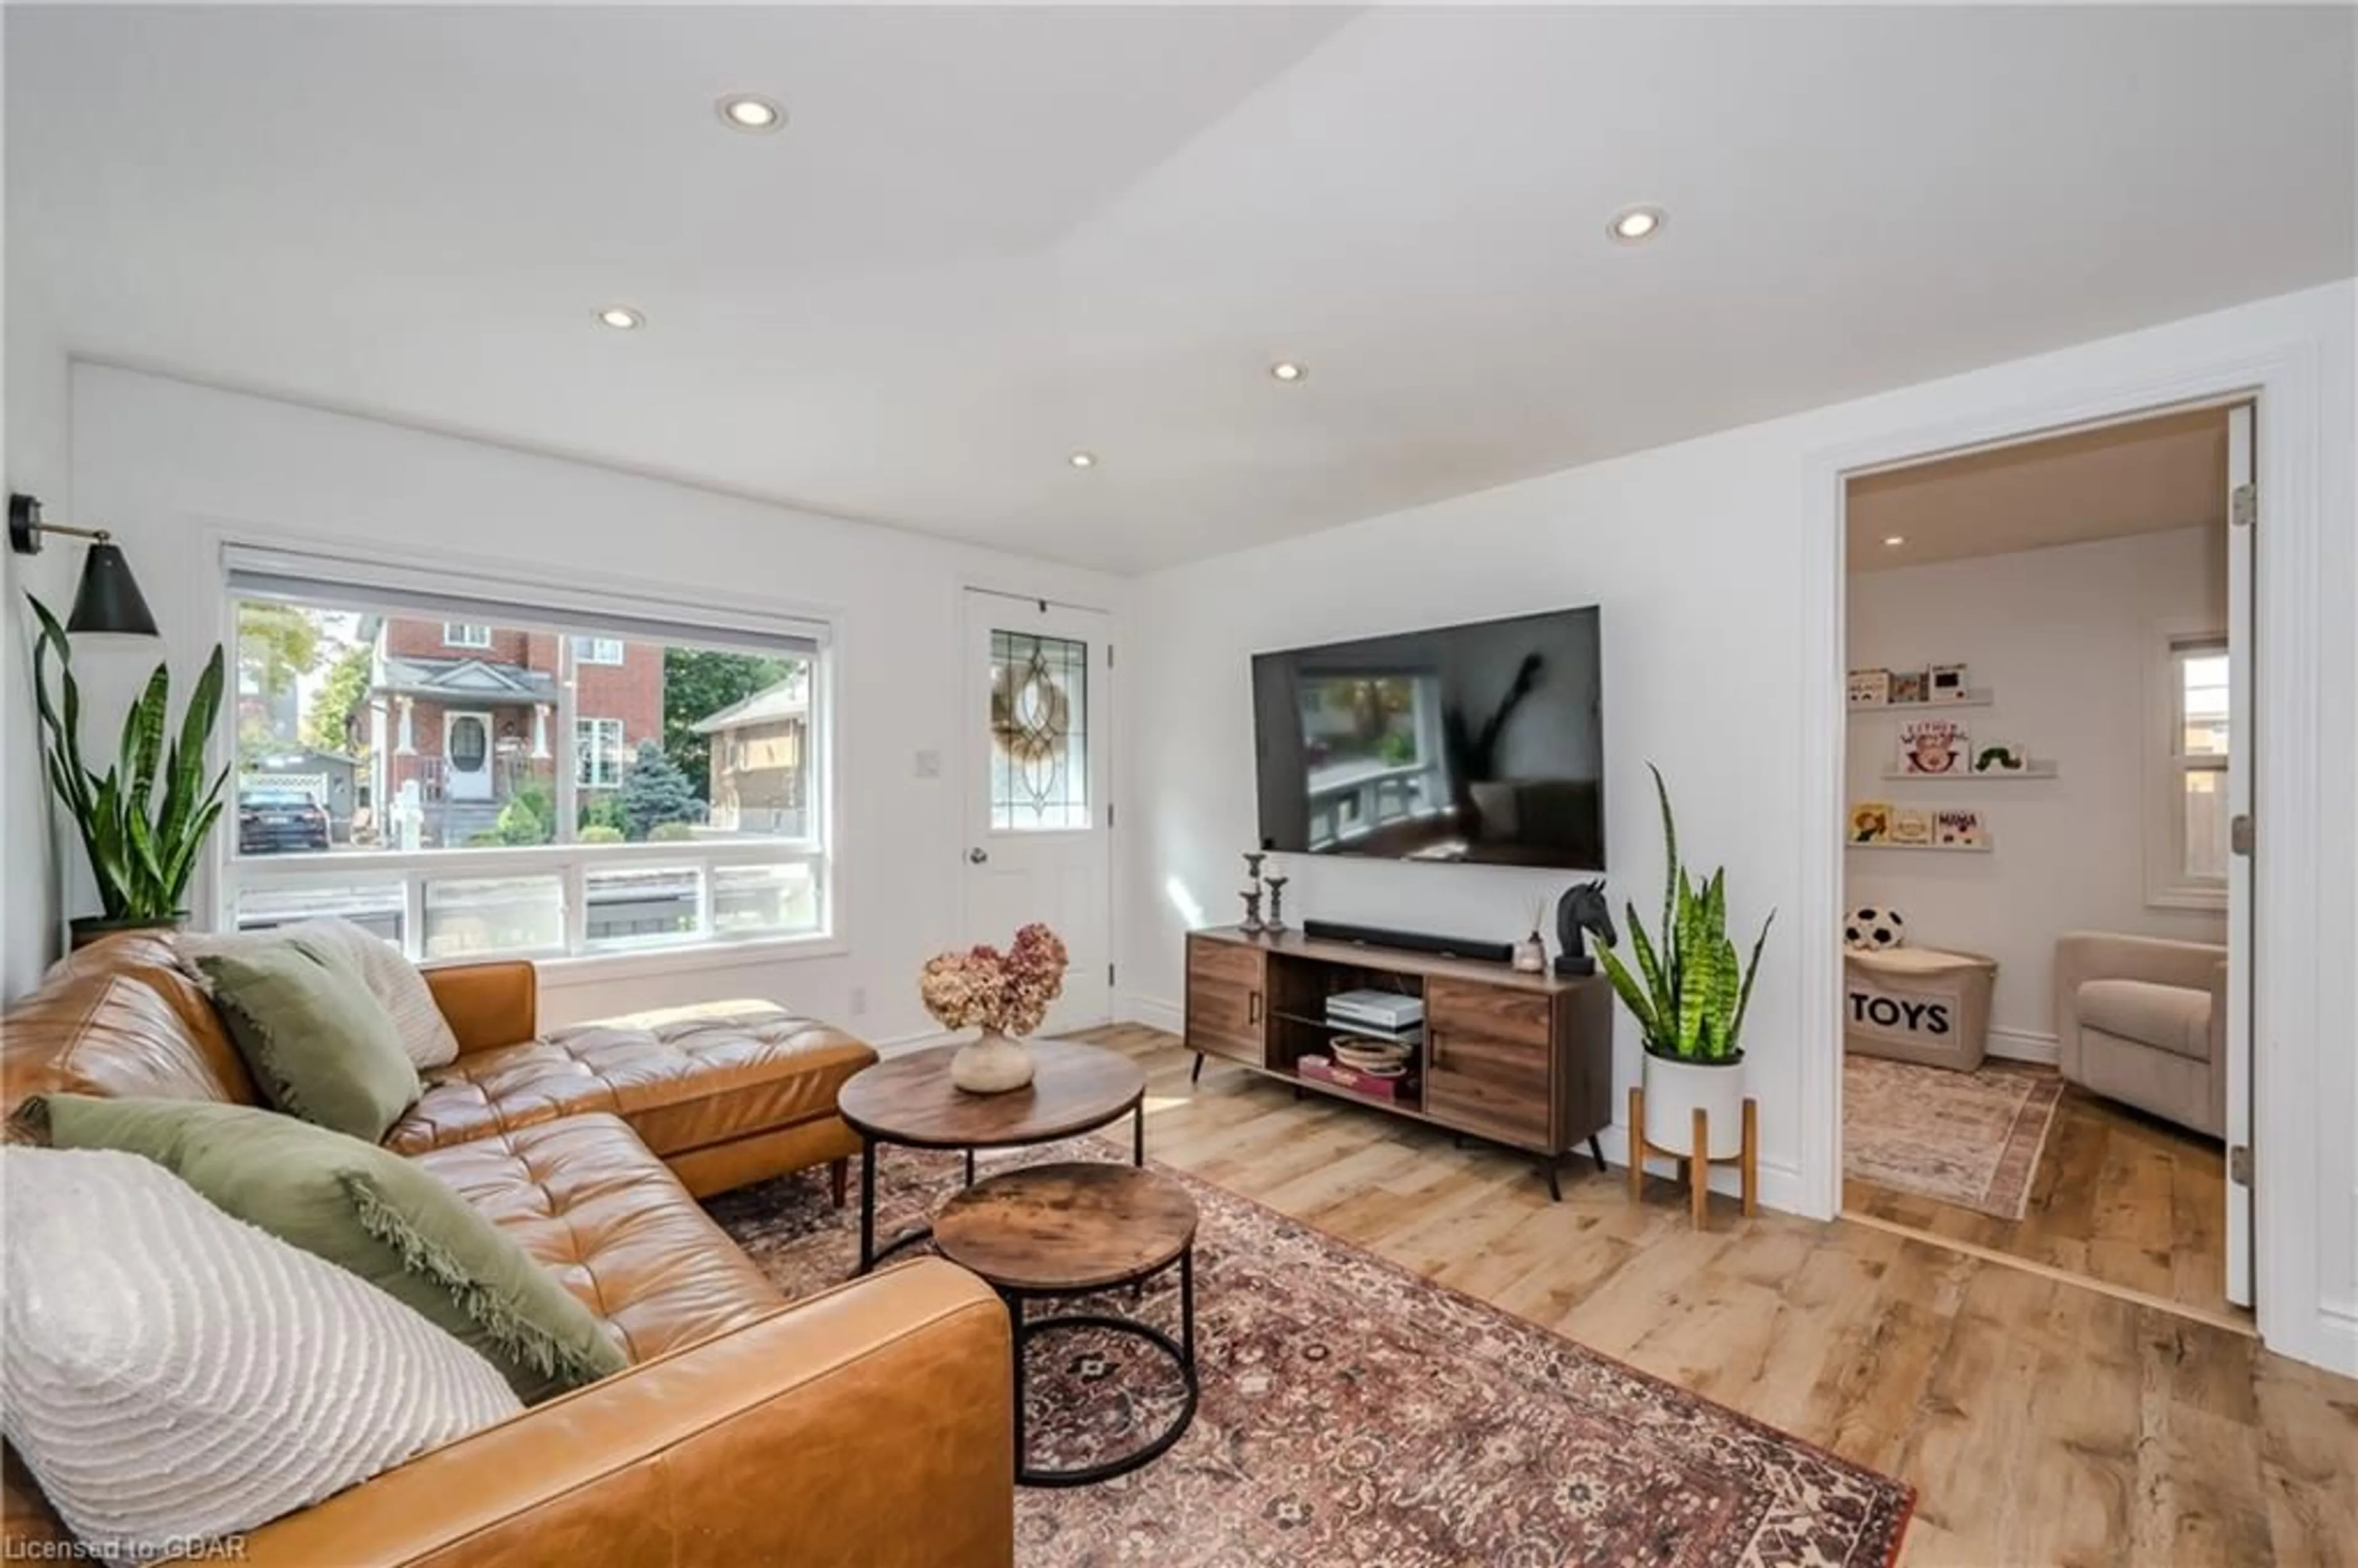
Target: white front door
(1037, 701)
(2241, 513)
(466, 756)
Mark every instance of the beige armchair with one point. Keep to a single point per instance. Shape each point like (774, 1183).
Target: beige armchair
(2144, 1021)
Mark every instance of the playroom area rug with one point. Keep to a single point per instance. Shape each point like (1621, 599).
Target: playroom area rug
(1969, 1139)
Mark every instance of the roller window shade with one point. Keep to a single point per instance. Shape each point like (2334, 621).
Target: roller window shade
(282, 578)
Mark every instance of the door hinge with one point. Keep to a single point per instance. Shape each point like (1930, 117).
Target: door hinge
(2239, 1164)
(1109, 813)
(1109, 974)
(2239, 834)
(2244, 506)
(1109, 656)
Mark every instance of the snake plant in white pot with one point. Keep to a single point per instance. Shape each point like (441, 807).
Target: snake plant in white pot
(1689, 994)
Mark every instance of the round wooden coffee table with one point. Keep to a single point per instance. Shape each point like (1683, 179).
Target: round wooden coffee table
(911, 1101)
(1061, 1230)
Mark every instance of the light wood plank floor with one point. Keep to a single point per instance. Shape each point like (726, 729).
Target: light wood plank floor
(2042, 1423)
(2117, 1196)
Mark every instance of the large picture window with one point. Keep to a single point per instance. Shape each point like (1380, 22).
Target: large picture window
(567, 780)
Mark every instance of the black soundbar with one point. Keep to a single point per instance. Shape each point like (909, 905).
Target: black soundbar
(1412, 941)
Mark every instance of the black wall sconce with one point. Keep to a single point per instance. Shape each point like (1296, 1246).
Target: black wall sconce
(109, 597)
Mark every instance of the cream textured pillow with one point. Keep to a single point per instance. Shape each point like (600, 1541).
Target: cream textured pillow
(174, 1374)
(391, 977)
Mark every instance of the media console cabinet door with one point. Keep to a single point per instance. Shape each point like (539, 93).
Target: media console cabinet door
(1487, 1055)
(1227, 999)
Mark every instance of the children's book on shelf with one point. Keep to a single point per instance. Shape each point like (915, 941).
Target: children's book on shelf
(1933, 747)
(2000, 757)
(1870, 822)
(1870, 688)
(1908, 685)
(1947, 683)
(1910, 825)
(1959, 827)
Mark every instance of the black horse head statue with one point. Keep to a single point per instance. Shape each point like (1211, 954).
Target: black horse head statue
(1580, 914)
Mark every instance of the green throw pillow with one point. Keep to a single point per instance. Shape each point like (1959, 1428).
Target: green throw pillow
(364, 1210)
(321, 1045)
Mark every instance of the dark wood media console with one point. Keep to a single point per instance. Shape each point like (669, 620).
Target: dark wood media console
(1522, 1060)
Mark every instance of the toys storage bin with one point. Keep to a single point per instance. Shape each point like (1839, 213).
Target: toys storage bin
(1918, 1004)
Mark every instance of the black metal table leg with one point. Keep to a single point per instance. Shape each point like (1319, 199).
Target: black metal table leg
(1596, 1151)
(1549, 1164)
(969, 1167)
(1015, 1318)
(1187, 1308)
(866, 1204)
(1195, 1073)
(1138, 1136)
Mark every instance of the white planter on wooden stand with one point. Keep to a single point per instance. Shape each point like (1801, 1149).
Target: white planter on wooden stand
(1675, 1090)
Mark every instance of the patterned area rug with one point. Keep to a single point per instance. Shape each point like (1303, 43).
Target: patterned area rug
(1969, 1139)
(1352, 1413)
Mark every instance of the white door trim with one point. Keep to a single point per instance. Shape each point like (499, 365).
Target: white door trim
(2290, 974)
(965, 771)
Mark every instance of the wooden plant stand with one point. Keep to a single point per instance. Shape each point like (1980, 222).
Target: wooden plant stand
(1747, 1159)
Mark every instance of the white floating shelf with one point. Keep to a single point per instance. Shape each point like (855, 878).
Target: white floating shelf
(1975, 696)
(1983, 848)
(2036, 771)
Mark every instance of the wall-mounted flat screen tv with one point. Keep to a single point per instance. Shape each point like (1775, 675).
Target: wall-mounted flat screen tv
(1481, 743)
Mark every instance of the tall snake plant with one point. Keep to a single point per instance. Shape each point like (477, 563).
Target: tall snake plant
(143, 847)
(1689, 996)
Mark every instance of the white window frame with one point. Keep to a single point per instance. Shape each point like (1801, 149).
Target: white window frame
(597, 650)
(597, 753)
(466, 635)
(351, 583)
(2167, 884)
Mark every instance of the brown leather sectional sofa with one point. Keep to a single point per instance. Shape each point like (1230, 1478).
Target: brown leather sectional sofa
(869, 1425)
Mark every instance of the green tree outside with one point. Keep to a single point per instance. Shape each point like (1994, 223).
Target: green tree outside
(697, 684)
(326, 726)
(655, 790)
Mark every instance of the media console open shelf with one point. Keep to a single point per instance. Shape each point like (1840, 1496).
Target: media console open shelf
(1522, 1060)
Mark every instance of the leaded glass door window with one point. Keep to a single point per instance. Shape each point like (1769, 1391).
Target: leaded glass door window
(1039, 732)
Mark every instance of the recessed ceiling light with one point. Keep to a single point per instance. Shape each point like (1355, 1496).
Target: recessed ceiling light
(1083, 459)
(1895, 540)
(1289, 369)
(745, 111)
(1637, 224)
(622, 318)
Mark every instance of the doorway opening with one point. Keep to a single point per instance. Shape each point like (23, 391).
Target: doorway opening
(2044, 1001)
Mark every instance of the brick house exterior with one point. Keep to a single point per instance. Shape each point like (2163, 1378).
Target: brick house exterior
(461, 717)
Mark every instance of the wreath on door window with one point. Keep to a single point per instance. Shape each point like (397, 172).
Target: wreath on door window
(1031, 717)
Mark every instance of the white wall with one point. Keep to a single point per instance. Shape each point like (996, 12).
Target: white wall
(2065, 639)
(1694, 553)
(162, 462)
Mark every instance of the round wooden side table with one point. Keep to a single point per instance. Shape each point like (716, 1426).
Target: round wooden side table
(910, 1100)
(1057, 1231)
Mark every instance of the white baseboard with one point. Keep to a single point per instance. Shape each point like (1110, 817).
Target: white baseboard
(901, 1045)
(1154, 1011)
(2333, 1340)
(2025, 1045)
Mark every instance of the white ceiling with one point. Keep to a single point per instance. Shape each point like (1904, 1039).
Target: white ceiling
(991, 237)
(2146, 476)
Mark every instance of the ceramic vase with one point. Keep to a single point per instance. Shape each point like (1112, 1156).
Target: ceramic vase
(992, 1064)
(1675, 1089)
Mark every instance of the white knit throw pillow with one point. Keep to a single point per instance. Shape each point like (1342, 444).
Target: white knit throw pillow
(176, 1376)
(391, 977)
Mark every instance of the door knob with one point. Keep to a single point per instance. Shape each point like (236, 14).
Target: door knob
(978, 855)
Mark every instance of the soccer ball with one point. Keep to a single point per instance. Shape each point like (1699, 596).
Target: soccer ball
(1874, 929)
